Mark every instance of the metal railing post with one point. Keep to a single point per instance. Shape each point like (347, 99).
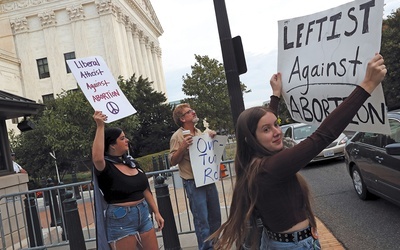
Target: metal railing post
(53, 203)
(160, 163)
(77, 194)
(32, 218)
(61, 193)
(155, 165)
(46, 194)
(166, 161)
(169, 232)
(73, 223)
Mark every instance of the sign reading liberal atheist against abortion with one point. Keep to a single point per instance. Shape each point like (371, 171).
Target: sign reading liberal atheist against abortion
(324, 56)
(100, 88)
(205, 157)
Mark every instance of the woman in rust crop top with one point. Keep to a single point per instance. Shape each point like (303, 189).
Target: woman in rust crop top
(267, 180)
(126, 190)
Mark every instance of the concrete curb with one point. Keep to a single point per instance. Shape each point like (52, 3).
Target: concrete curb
(327, 239)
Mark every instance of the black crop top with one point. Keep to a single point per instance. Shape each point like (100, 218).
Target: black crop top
(118, 187)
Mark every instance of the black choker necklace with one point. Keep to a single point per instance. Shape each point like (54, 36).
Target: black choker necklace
(123, 159)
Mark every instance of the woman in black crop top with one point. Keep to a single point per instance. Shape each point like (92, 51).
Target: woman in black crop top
(126, 190)
(267, 181)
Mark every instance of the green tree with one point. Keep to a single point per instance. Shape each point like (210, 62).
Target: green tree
(283, 113)
(69, 125)
(208, 94)
(153, 118)
(390, 50)
(66, 127)
(31, 152)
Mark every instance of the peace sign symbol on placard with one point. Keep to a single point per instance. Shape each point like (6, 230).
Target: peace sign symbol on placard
(112, 107)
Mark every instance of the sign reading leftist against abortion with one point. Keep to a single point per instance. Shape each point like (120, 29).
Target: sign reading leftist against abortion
(324, 56)
(100, 88)
(205, 157)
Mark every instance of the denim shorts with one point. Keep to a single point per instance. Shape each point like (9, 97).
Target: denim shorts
(124, 221)
(306, 244)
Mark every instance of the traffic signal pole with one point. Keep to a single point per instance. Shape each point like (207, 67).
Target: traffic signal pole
(229, 59)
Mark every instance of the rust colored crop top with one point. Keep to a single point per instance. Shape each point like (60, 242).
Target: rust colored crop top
(118, 187)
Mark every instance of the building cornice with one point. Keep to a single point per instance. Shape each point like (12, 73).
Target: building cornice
(9, 59)
(145, 9)
(12, 5)
(142, 8)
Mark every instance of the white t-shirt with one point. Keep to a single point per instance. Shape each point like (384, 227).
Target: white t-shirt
(17, 167)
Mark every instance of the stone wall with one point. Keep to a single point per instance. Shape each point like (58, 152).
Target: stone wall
(12, 209)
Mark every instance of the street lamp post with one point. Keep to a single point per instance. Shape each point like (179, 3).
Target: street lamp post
(53, 155)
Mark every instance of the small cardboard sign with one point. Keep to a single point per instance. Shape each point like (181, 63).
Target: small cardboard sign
(100, 87)
(205, 157)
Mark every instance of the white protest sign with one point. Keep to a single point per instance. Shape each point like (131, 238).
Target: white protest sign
(100, 88)
(324, 56)
(205, 157)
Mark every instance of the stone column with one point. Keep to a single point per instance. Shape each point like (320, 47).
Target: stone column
(152, 76)
(131, 46)
(157, 79)
(138, 51)
(77, 16)
(142, 39)
(20, 30)
(108, 12)
(161, 70)
(122, 42)
(48, 22)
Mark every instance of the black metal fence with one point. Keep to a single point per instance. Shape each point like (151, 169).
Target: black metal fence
(63, 215)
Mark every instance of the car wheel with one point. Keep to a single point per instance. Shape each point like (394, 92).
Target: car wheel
(359, 184)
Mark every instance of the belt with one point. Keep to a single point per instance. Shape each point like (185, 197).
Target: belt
(290, 237)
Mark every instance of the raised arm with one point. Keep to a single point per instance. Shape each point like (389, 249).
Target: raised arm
(376, 71)
(276, 84)
(331, 127)
(98, 142)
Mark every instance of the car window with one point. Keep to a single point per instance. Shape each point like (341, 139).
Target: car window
(284, 128)
(370, 138)
(302, 132)
(394, 131)
(288, 132)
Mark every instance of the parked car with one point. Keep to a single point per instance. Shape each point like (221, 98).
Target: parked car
(300, 131)
(285, 127)
(373, 162)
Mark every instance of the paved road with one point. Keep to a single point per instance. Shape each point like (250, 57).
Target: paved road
(356, 224)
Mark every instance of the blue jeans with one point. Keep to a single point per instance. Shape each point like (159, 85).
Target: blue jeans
(307, 244)
(204, 204)
(125, 221)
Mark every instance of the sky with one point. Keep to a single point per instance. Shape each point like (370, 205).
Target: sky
(190, 28)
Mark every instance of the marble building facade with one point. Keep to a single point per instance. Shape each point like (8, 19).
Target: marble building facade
(37, 36)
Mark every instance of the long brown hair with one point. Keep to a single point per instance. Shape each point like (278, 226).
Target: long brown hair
(248, 161)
